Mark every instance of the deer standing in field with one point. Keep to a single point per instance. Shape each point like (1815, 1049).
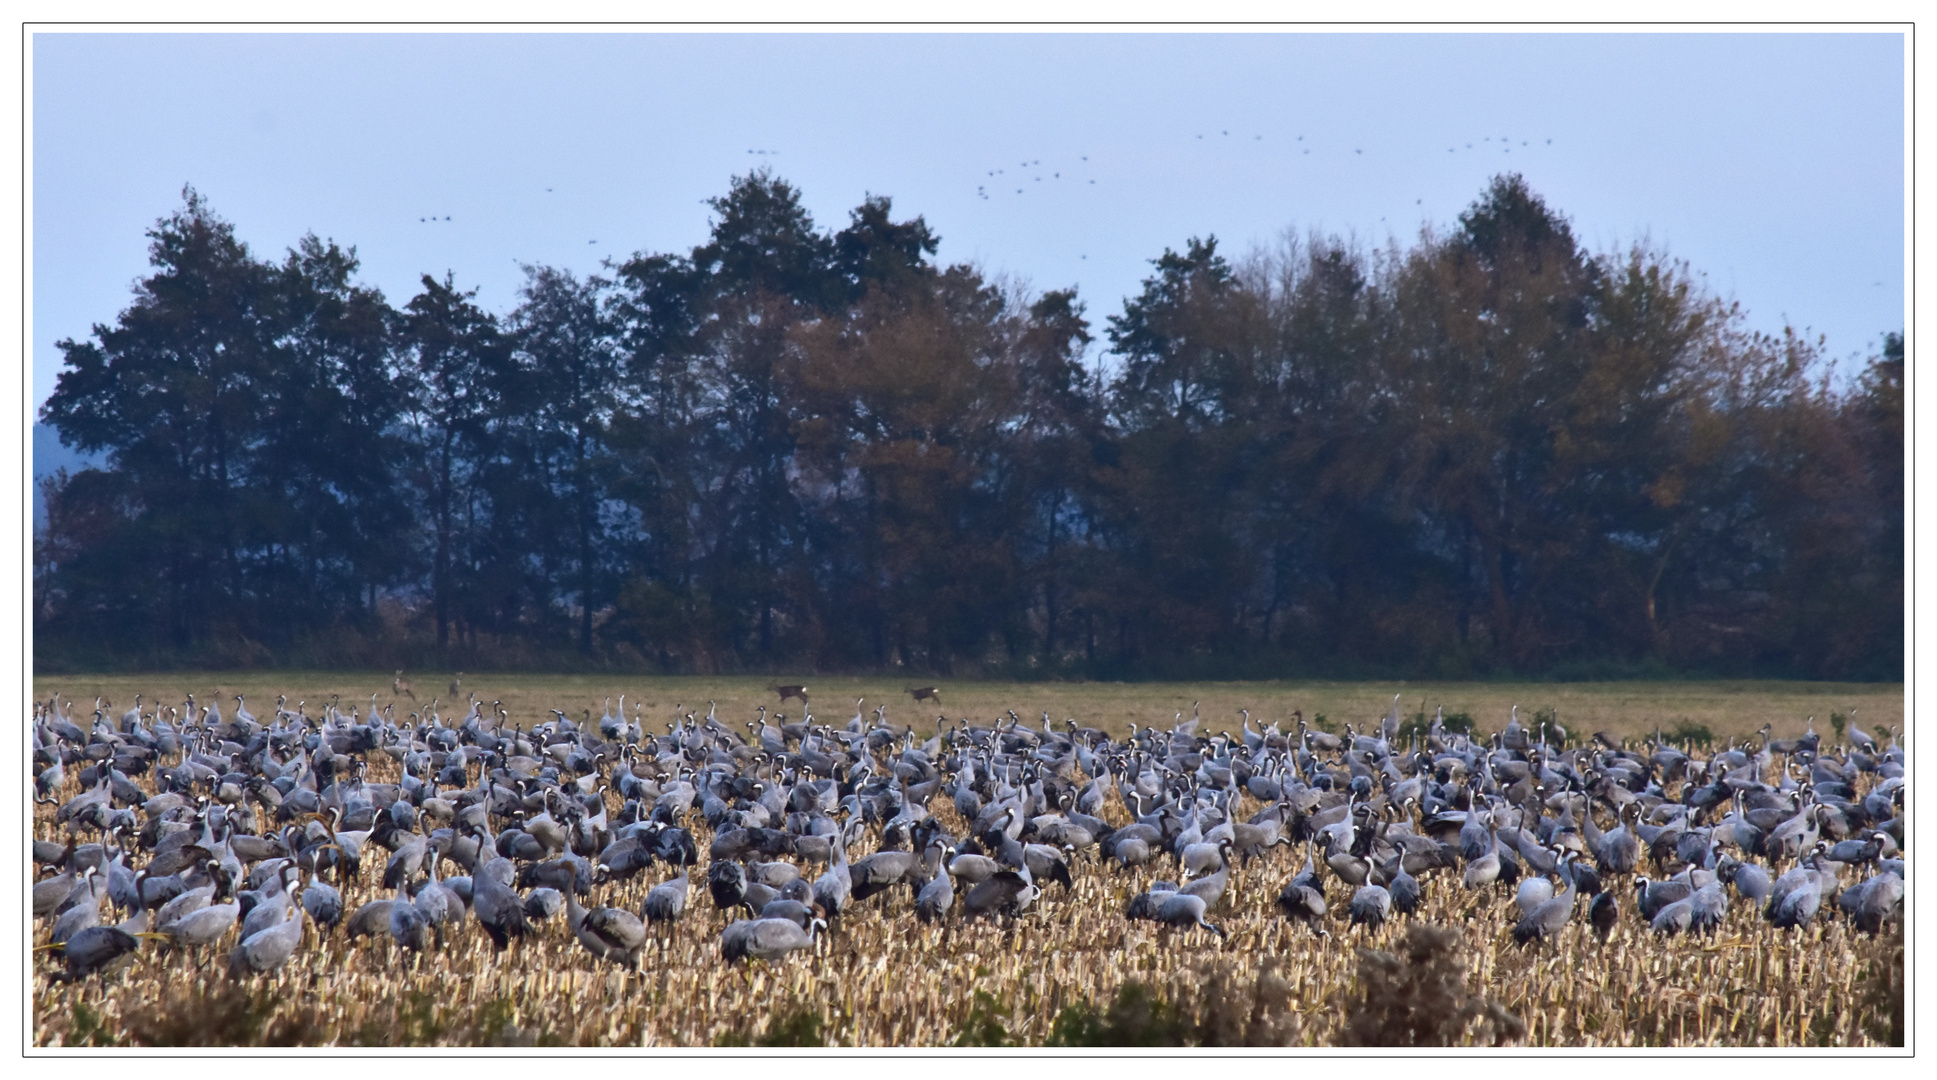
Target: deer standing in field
(786, 692)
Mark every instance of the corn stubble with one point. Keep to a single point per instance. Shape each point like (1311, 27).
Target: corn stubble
(1070, 971)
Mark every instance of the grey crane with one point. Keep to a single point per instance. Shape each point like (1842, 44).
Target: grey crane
(1870, 903)
(608, 933)
(369, 920)
(408, 927)
(98, 950)
(1651, 896)
(1708, 906)
(439, 903)
(1211, 888)
(268, 949)
(1674, 918)
(773, 874)
(1182, 909)
(883, 870)
(321, 900)
(1484, 870)
(834, 890)
(542, 903)
(1303, 898)
(1549, 919)
(933, 902)
(1619, 850)
(1370, 907)
(497, 907)
(767, 939)
(726, 881)
(1603, 912)
(972, 867)
(85, 906)
(202, 926)
(1796, 905)
(1128, 851)
(1005, 892)
(802, 912)
(1533, 891)
(1144, 904)
(1751, 881)
(1352, 869)
(1402, 887)
(272, 906)
(50, 893)
(666, 901)
(1201, 858)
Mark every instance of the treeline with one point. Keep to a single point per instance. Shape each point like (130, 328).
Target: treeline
(795, 448)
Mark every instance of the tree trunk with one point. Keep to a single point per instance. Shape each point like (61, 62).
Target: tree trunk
(1493, 560)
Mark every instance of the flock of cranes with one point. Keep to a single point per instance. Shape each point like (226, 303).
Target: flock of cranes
(205, 832)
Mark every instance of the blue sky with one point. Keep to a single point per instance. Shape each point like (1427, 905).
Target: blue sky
(1774, 163)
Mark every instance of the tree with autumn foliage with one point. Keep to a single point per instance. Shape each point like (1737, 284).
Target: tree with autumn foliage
(1493, 451)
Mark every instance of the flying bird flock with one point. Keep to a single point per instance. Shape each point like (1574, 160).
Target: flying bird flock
(997, 180)
(690, 870)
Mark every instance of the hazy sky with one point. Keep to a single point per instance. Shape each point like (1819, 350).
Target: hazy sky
(1774, 163)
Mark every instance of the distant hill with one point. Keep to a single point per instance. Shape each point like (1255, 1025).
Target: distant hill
(50, 457)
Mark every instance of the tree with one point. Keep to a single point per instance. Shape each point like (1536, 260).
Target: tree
(875, 250)
(1493, 450)
(901, 415)
(557, 399)
(1173, 485)
(1047, 458)
(456, 361)
(764, 269)
(1490, 365)
(332, 453)
(764, 242)
(249, 414)
(174, 392)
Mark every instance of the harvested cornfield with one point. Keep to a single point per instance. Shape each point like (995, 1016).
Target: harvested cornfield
(1068, 968)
